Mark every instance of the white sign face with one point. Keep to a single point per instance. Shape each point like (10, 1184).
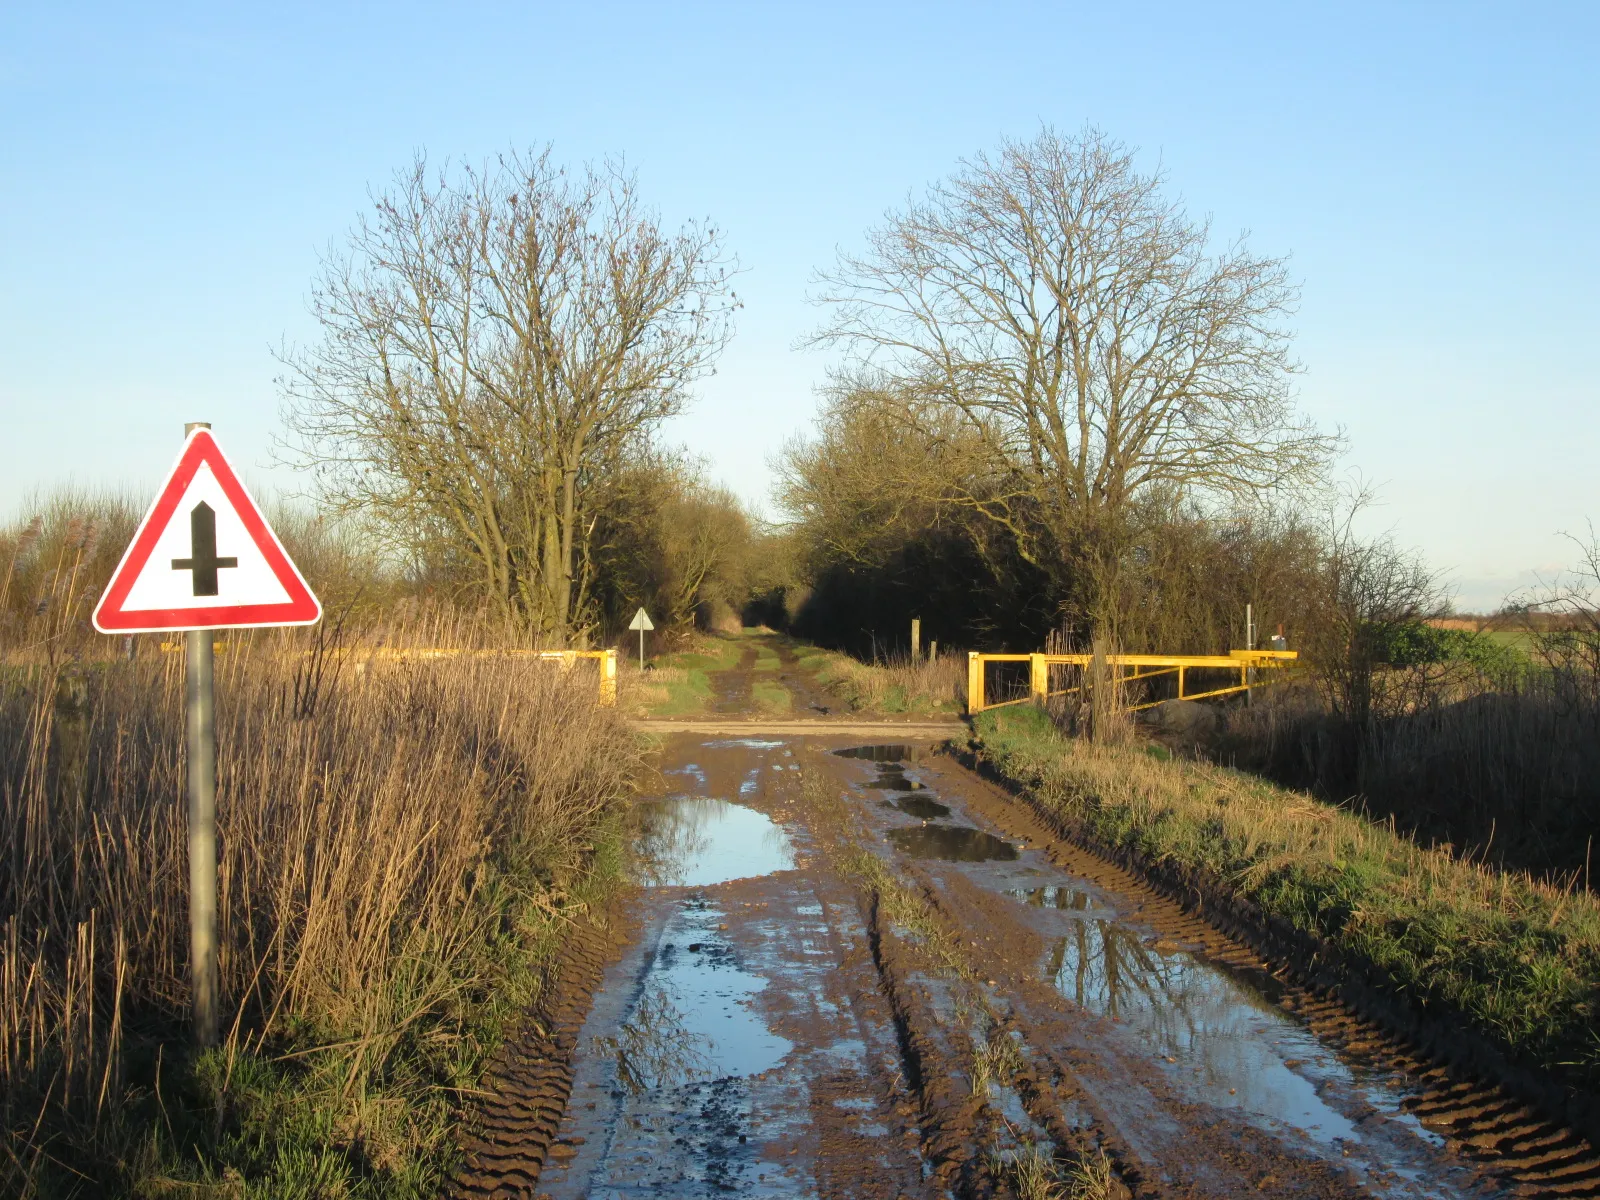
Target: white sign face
(641, 620)
(242, 576)
(204, 558)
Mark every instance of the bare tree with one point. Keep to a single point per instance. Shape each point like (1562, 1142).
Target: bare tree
(672, 541)
(1368, 588)
(493, 343)
(1087, 333)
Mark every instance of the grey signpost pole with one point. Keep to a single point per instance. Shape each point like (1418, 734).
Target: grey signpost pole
(641, 621)
(202, 763)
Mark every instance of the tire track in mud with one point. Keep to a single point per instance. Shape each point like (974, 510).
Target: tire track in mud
(1159, 1143)
(1164, 1141)
(512, 1131)
(1153, 1133)
(1489, 1111)
(948, 1120)
(954, 1114)
(731, 689)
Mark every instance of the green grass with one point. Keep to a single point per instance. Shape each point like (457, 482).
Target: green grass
(710, 652)
(1518, 959)
(771, 696)
(683, 696)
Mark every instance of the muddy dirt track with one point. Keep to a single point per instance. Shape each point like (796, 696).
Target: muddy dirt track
(857, 969)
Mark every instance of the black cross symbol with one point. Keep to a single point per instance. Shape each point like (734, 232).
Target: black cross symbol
(203, 560)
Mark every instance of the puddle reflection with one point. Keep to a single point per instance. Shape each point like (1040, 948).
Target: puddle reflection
(1222, 1034)
(952, 843)
(893, 781)
(1054, 897)
(919, 806)
(653, 1049)
(880, 754)
(697, 841)
(693, 1019)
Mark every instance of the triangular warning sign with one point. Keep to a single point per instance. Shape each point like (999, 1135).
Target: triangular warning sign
(204, 558)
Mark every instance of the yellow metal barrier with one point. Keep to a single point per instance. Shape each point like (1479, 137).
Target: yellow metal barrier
(567, 658)
(1136, 666)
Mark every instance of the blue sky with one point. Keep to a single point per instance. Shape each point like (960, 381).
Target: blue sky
(170, 173)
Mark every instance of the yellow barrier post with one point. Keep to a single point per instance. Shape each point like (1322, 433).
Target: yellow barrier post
(608, 679)
(1038, 678)
(974, 683)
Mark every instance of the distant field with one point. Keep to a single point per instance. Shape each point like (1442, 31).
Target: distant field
(1512, 639)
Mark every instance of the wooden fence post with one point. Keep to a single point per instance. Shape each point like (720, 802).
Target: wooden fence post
(1038, 678)
(1100, 699)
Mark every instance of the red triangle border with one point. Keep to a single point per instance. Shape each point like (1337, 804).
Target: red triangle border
(301, 608)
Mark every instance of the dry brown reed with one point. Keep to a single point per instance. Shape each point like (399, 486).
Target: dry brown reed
(375, 813)
(52, 567)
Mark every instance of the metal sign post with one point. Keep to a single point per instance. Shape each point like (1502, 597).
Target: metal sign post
(202, 756)
(171, 578)
(200, 730)
(641, 621)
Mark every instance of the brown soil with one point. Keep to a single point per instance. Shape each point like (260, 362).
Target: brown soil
(730, 690)
(508, 1139)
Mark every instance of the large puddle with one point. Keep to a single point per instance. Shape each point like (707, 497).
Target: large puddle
(952, 843)
(692, 1019)
(698, 841)
(1228, 1040)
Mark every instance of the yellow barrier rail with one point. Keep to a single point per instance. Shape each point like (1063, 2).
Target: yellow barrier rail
(567, 658)
(1126, 668)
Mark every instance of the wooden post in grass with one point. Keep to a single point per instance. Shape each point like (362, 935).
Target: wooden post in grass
(1100, 698)
(974, 683)
(916, 638)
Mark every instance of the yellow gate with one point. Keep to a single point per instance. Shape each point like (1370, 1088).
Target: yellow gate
(1126, 668)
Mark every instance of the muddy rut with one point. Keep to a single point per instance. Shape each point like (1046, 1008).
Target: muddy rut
(854, 970)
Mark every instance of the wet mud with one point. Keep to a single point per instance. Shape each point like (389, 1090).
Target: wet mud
(787, 1019)
(731, 689)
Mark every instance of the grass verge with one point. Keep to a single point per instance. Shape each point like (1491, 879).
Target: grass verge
(896, 686)
(402, 848)
(1519, 959)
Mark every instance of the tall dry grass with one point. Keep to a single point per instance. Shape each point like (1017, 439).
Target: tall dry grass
(52, 566)
(394, 834)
